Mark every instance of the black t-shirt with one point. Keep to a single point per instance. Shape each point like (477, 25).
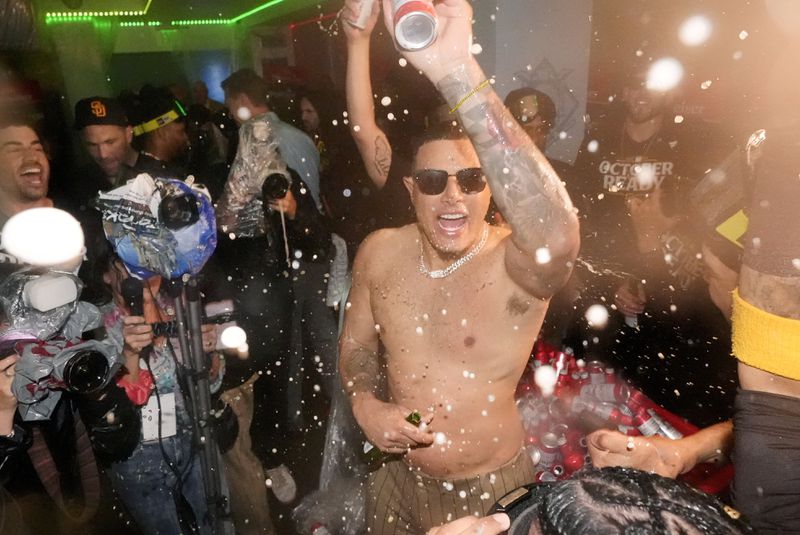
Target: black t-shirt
(679, 354)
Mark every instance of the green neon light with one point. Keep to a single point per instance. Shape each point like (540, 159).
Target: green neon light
(200, 22)
(255, 10)
(70, 15)
(82, 16)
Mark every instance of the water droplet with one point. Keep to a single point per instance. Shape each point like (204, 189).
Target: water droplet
(418, 330)
(592, 146)
(543, 255)
(706, 84)
(678, 119)
(476, 49)
(743, 35)
(385, 101)
(403, 62)
(346, 192)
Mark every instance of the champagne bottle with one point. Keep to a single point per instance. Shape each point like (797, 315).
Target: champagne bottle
(374, 457)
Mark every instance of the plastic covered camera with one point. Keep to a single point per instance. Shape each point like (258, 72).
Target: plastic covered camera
(159, 226)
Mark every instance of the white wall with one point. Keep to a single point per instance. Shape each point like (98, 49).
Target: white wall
(542, 44)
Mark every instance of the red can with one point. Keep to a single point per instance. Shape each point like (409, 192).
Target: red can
(549, 448)
(415, 23)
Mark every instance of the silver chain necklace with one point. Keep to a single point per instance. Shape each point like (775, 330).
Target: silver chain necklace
(442, 273)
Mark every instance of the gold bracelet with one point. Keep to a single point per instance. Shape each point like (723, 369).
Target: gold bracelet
(464, 99)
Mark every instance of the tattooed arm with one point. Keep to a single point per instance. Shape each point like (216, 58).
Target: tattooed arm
(770, 274)
(370, 139)
(360, 366)
(530, 195)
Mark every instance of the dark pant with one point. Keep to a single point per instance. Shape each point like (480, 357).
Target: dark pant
(263, 299)
(314, 335)
(767, 460)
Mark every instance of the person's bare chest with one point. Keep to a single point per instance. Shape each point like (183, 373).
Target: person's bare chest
(474, 319)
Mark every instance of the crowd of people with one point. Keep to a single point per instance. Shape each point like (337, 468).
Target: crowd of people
(471, 246)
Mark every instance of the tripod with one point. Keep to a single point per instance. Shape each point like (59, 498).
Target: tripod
(188, 314)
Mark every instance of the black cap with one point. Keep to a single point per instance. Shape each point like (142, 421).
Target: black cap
(153, 108)
(99, 110)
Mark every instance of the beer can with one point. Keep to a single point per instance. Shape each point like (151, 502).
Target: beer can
(415, 23)
(608, 392)
(365, 9)
(646, 424)
(667, 429)
(549, 450)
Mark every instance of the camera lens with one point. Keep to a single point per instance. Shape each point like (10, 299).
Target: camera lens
(178, 211)
(275, 187)
(86, 372)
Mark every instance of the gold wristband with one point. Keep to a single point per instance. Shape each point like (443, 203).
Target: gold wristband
(468, 95)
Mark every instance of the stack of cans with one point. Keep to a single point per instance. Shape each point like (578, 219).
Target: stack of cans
(586, 396)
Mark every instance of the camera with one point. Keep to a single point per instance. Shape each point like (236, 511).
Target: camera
(275, 187)
(45, 325)
(178, 209)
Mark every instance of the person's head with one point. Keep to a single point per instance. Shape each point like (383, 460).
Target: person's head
(309, 115)
(621, 500)
(449, 191)
(161, 125)
(245, 94)
(105, 132)
(642, 104)
(534, 111)
(24, 168)
(199, 92)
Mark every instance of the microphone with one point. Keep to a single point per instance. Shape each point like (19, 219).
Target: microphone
(132, 293)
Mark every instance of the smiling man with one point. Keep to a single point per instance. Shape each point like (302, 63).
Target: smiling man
(455, 303)
(24, 171)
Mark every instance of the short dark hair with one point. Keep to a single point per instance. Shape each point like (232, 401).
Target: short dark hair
(247, 82)
(439, 132)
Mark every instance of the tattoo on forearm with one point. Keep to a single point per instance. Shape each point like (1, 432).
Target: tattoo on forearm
(361, 370)
(526, 189)
(383, 156)
(771, 293)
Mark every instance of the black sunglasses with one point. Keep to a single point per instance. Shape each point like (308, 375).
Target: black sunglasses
(434, 181)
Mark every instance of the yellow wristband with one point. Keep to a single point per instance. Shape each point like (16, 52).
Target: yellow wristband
(464, 99)
(765, 341)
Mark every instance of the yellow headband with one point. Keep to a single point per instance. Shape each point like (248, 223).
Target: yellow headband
(765, 341)
(156, 123)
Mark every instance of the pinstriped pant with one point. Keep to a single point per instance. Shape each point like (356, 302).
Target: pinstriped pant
(403, 501)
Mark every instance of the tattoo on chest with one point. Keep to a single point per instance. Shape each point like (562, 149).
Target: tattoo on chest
(517, 306)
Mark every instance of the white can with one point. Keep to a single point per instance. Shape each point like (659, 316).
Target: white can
(365, 10)
(415, 23)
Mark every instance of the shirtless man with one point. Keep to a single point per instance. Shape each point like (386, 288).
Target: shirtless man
(456, 304)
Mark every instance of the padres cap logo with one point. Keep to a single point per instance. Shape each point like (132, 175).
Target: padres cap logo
(98, 108)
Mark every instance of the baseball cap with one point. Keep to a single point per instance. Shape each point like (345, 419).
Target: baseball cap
(100, 111)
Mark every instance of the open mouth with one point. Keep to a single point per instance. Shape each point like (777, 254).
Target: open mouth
(32, 174)
(452, 223)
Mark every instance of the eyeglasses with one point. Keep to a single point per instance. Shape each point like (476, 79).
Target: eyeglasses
(434, 181)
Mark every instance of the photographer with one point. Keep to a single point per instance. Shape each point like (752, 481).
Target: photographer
(13, 439)
(161, 483)
(268, 220)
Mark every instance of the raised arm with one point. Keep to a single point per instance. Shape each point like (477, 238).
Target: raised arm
(362, 371)
(531, 197)
(370, 139)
